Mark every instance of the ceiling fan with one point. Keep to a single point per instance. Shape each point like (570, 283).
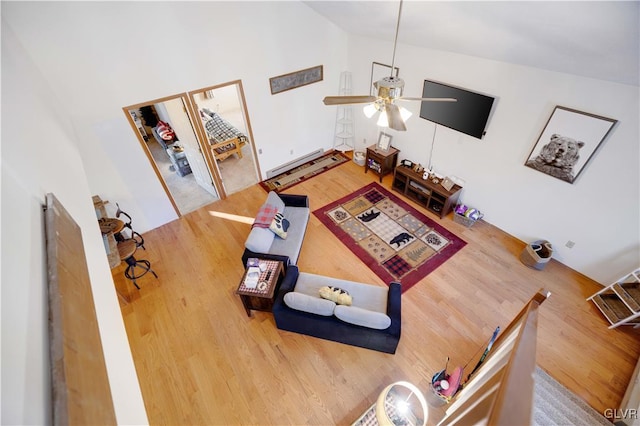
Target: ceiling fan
(389, 90)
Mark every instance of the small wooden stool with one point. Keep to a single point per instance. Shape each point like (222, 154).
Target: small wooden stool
(127, 249)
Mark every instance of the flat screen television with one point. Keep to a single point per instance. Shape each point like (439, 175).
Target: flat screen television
(468, 115)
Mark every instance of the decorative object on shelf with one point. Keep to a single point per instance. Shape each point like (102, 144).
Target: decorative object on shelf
(567, 143)
(447, 183)
(406, 163)
(384, 142)
(295, 79)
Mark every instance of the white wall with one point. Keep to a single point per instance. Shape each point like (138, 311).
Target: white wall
(600, 212)
(132, 52)
(39, 155)
(102, 56)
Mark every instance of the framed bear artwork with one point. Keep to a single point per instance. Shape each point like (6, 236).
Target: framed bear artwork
(567, 143)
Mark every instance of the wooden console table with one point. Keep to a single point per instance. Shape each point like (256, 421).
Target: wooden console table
(432, 196)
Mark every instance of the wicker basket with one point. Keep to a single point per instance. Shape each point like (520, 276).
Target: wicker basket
(466, 221)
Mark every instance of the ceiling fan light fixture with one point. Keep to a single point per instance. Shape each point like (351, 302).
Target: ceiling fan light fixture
(369, 110)
(383, 121)
(405, 114)
(388, 90)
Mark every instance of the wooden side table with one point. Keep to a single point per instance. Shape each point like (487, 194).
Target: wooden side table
(261, 297)
(380, 162)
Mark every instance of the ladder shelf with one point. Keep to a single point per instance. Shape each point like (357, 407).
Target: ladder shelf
(619, 302)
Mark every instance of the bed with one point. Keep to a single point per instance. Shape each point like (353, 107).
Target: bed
(224, 138)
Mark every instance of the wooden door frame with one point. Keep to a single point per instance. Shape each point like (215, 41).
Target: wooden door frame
(208, 160)
(203, 134)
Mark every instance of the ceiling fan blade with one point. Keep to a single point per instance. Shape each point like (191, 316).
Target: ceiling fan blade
(345, 100)
(395, 119)
(429, 99)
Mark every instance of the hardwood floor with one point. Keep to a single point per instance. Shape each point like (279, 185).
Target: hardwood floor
(201, 360)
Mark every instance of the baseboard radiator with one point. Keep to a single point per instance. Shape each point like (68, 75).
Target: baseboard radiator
(295, 163)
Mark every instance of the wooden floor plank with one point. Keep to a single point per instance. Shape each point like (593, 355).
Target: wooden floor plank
(201, 360)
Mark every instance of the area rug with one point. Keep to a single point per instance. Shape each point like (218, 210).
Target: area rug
(555, 405)
(398, 242)
(304, 172)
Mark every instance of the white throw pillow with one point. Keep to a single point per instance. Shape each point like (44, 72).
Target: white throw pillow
(363, 317)
(313, 305)
(280, 225)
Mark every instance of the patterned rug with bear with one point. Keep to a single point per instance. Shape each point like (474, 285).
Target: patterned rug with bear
(395, 240)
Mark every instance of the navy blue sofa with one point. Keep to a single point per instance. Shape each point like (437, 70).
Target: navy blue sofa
(332, 328)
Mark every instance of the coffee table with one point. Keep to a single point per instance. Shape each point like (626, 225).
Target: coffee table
(261, 297)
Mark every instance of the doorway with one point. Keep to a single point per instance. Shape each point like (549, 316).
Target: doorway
(167, 134)
(224, 123)
(199, 144)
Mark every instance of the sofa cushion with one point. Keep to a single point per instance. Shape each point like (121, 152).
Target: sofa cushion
(298, 218)
(314, 305)
(275, 200)
(335, 294)
(365, 296)
(259, 240)
(362, 317)
(280, 225)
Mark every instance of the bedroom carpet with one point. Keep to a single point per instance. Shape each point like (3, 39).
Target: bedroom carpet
(304, 172)
(393, 239)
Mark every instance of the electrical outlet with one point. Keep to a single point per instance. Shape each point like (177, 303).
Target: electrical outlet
(291, 152)
(260, 151)
(570, 244)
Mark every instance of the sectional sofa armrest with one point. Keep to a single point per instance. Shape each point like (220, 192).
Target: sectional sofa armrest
(287, 285)
(291, 200)
(394, 305)
(290, 280)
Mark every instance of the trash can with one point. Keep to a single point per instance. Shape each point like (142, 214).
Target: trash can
(537, 254)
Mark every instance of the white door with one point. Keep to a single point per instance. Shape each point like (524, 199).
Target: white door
(183, 128)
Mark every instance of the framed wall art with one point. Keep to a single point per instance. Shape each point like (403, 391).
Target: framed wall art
(567, 143)
(378, 72)
(295, 79)
(384, 142)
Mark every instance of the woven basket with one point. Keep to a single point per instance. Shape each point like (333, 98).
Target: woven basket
(466, 221)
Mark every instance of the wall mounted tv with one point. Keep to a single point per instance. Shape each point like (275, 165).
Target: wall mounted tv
(468, 115)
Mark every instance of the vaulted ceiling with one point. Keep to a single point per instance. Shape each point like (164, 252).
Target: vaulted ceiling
(597, 39)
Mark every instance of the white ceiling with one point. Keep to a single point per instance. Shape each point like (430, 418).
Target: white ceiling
(597, 39)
